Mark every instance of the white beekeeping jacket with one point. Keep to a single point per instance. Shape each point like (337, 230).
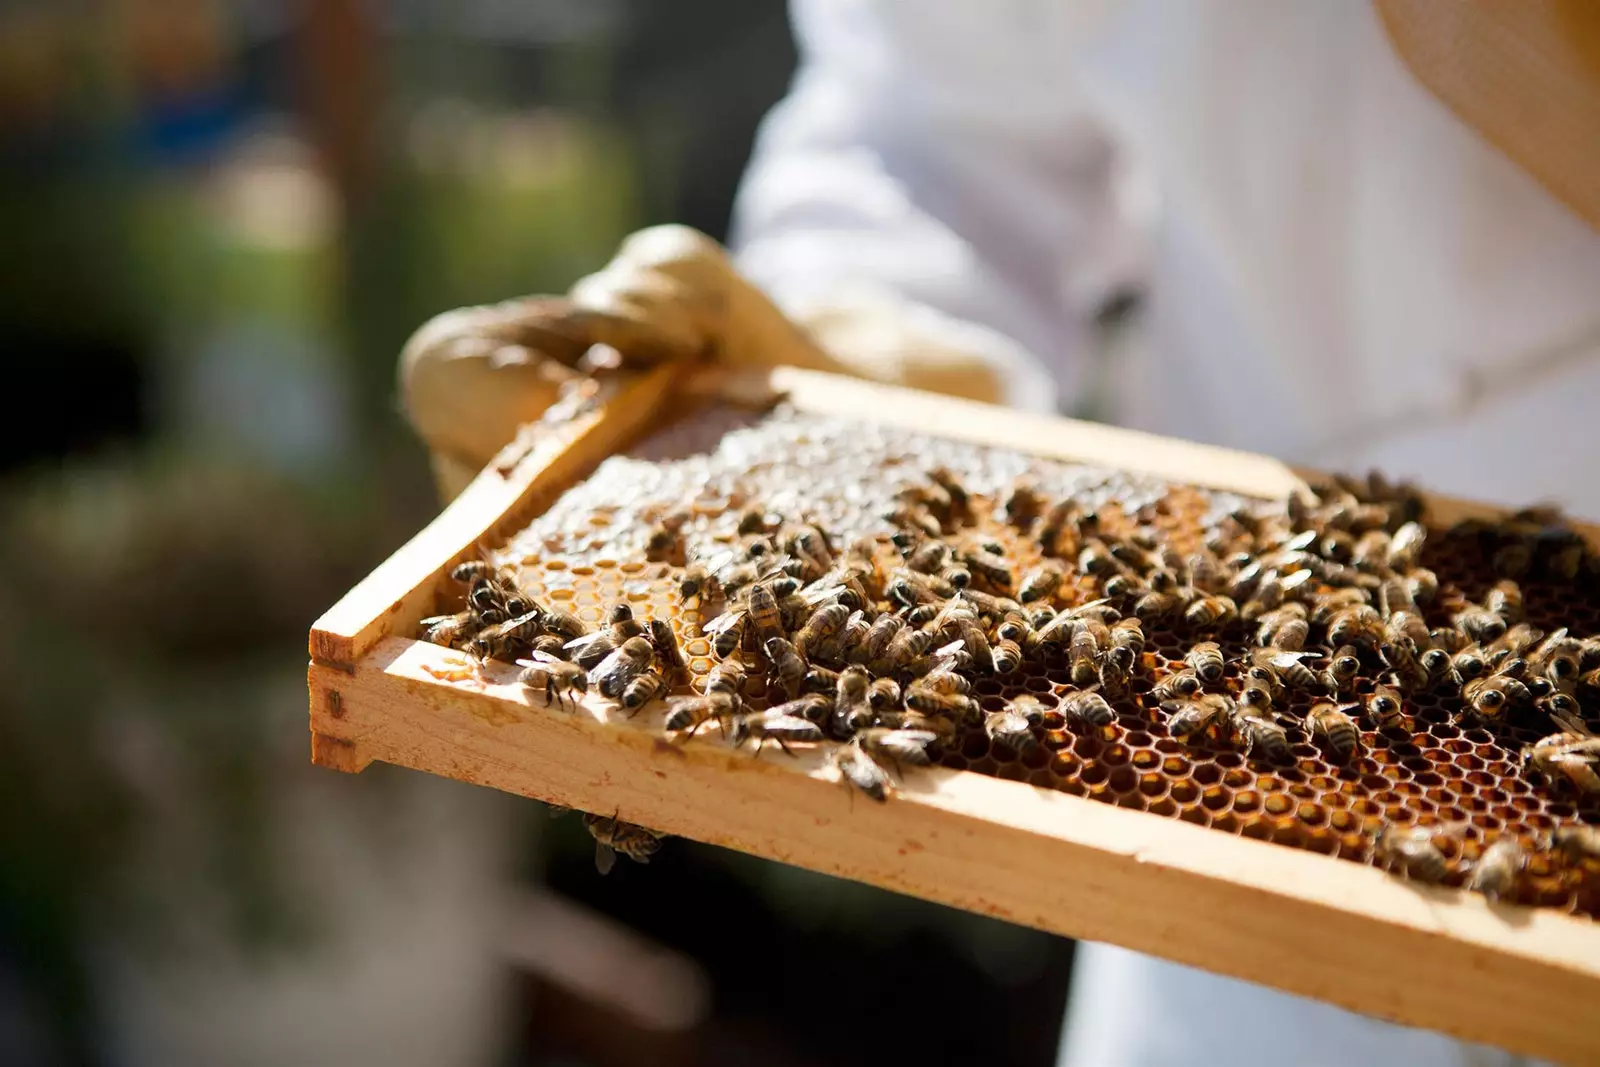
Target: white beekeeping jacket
(1341, 273)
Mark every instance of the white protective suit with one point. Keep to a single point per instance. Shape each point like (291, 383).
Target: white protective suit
(1343, 274)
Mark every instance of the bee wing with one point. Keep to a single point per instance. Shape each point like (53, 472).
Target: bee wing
(577, 644)
(1304, 539)
(1281, 659)
(1294, 581)
(949, 650)
(791, 725)
(605, 857)
(1090, 606)
(539, 656)
(816, 592)
(722, 623)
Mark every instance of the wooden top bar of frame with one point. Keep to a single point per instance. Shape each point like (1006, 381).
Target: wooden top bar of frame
(1521, 978)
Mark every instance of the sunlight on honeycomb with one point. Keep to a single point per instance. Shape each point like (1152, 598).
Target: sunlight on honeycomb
(588, 551)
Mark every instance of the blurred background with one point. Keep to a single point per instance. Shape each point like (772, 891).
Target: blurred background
(219, 220)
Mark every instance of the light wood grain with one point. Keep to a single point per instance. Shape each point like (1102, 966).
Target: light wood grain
(1522, 978)
(519, 483)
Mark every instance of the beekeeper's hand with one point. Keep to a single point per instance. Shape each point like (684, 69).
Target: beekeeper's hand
(470, 377)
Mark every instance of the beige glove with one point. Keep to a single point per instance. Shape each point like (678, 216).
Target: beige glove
(470, 377)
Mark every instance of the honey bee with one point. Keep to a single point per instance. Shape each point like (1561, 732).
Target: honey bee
(777, 725)
(589, 649)
(788, 669)
(1268, 596)
(1116, 670)
(820, 680)
(1010, 727)
(666, 646)
(762, 607)
(560, 681)
(957, 622)
(1480, 624)
(1568, 755)
(1022, 503)
(1337, 730)
(946, 681)
(1558, 705)
(752, 521)
(883, 694)
(1488, 699)
(945, 478)
(812, 707)
(1005, 656)
(934, 702)
(1505, 600)
(1264, 735)
(726, 632)
(696, 582)
(905, 650)
(1424, 585)
(471, 570)
(825, 622)
(1400, 655)
(631, 659)
(855, 768)
(1410, 850)
(1129, 634)
(1197, 715)
(991, 568)
(549, 644)
(1558, 659)
(1177, 685)
(613, 837)
(1405, 546)
(1086, 708)
(449, 630)
(1371, 551)
(503, 639)
(1518, 640)
(879, 634)
(1284, 628)
(852, 708)
(562, 623)
(1258, 693)
(1055, 521)
(1496, 872)
(1385, 708)
(1155, 605)
(1287, 667)
(1467, 664)
(1577, 843)
(896, 746)
(1343, 668)
(662, 543)
(642, 688)
(1358, 624)
(1039, 583)
(687, 715)
(726, 677)
(1205, 659)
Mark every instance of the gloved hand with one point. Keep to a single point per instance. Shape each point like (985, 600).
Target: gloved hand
(470, 377)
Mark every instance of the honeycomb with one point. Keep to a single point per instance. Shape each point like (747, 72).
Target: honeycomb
(588, 551)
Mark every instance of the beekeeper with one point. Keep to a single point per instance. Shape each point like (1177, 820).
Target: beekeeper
(1367, 234)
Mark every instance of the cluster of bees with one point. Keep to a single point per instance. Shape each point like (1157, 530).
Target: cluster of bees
(873, 647)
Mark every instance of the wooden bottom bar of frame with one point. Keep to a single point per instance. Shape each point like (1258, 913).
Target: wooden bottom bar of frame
(1524, 979)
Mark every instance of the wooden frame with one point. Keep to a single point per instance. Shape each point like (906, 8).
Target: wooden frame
(1525, 979)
